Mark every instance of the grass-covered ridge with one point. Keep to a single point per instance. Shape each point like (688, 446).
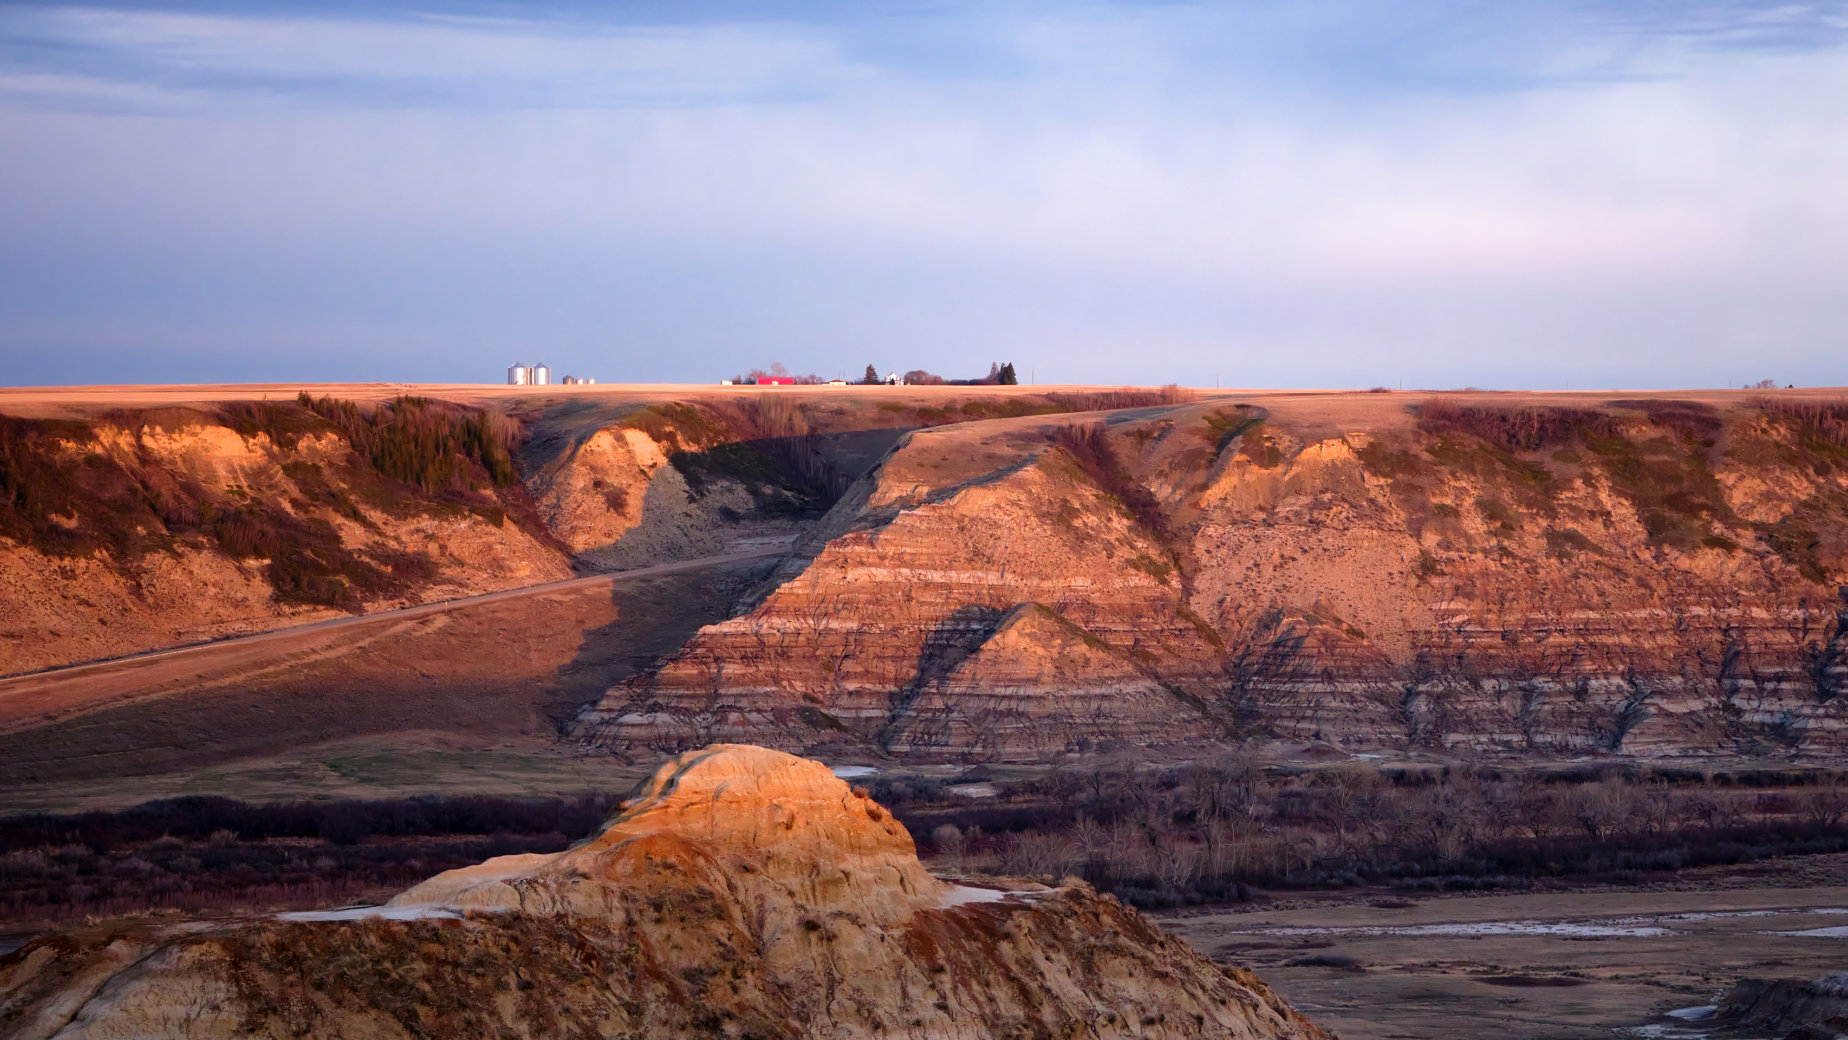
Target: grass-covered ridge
(1664, 457)
(71, 489)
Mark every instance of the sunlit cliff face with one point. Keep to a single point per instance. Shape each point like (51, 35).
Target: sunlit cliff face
(1646, 578)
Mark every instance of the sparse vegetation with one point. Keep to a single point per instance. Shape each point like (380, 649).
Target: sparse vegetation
(216, 853)
(432, 445)
(1669, 481)
(1223, 427)
(73, 489)
(1822, 425)
(1090, 449)
(1218, 829)
(1517, 429)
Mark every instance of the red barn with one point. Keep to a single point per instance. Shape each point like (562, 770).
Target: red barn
(776, 381)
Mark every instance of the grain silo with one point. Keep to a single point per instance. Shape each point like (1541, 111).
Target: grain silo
(541, 375)
(519, 375)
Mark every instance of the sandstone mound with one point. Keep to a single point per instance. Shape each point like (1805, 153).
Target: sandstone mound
(742, 893)
(774, 829)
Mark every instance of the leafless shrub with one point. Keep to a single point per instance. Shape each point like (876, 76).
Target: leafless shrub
(1826, 421)
(1035, 854)
(1212, 828)
(1514, 429)
(951, 844)
(1824, 807)
(1089, 446)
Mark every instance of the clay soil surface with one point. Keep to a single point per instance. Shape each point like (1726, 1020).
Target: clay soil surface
(1595, 962)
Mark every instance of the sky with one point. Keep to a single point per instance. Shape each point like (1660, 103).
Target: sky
(1323, 193)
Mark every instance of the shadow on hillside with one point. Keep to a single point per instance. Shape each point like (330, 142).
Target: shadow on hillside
(655, 617)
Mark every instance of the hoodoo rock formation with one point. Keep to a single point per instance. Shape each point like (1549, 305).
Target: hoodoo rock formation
(743, 892)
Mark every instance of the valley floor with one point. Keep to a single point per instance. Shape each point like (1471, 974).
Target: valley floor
(1536, 966)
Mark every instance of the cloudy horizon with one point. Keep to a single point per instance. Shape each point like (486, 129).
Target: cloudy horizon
(1341, 193)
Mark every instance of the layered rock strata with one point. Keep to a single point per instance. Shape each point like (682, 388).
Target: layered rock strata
(1018, 606)
(744, 892)
(1665, 578)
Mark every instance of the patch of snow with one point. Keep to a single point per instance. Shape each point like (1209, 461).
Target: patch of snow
(1597, 929)
(412, 912)
(1695, 1014)
(974, 791)
(849, 772)
(1836, 932)
(1663, 1031)
(961, 895)
(1709, 915)
(1369, 754)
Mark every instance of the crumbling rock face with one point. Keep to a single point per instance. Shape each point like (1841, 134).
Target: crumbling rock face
(592, 496)
(146, 530)
(1656, 578)
(1042, 685)
(744, 892)
(1028, 577)
(1795, 1009)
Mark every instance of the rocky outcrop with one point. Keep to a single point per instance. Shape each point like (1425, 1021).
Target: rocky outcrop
(743, 892)
(1624, 577)
(1437, 593)
(1792, 1009)
(871, 643)
(618, 501)
(1649, 578)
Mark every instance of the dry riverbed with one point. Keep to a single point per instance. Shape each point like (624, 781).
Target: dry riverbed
(1556, 965)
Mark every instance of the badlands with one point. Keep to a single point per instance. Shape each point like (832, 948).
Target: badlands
(955, 573)
(742, 893)
(1275, 652)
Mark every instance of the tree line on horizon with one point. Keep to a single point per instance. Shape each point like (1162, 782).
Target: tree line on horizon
(999, 374)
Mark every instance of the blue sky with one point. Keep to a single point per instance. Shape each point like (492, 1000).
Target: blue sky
(1322, 193)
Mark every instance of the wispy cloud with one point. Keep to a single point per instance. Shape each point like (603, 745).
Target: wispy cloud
(1321, 192)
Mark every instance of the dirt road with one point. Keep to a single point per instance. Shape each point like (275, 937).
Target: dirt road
(59, 693)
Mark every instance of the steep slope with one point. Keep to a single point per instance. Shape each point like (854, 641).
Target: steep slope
(742, 893)
(676, 481)
(955, 531)
(1649, 576)
(1591, 589)
(1038, 686)
(145, 529)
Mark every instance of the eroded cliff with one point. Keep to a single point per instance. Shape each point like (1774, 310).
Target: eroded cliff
(1646, 576)
(137, 530)
(743, 892)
